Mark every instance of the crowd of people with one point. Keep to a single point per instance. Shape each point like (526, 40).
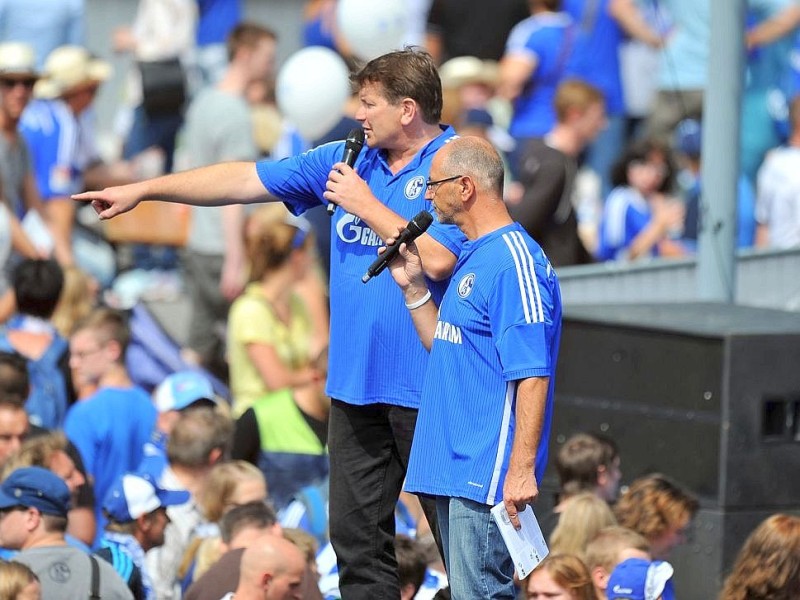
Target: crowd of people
(277, 460)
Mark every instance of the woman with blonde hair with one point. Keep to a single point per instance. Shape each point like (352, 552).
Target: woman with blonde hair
(277, 373)
(228, 484)
(582, 518)
(18, 582)
(560, 576)
(768, 565)
(78, 298)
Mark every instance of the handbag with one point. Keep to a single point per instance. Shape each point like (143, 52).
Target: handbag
(163, 86)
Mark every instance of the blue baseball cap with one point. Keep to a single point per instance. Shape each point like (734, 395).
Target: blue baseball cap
(38, 488)
(134, 495)
(639, 579)
(182, 389)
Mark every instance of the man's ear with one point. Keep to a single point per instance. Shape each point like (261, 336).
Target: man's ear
(409, 110)
(602, 475)
(266, 581)
(600, 578)
(144, 522)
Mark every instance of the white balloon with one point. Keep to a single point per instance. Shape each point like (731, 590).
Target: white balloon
(311, 90)
(372, 27)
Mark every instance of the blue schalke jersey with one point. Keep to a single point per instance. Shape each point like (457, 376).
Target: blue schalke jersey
(499, 322)
(375, 355)
(61, 146)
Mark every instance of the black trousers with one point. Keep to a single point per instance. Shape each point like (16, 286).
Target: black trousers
(369, 448)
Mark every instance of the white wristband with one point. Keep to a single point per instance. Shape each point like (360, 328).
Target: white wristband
(420, 302)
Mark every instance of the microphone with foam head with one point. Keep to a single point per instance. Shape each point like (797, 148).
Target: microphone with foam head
(352, 147)
(415, 228)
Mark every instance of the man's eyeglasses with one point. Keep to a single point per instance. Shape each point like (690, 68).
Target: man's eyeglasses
(11, 83)
(433, 185)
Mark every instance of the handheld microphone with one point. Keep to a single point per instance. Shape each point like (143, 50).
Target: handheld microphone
(415, 228)
(352, 148)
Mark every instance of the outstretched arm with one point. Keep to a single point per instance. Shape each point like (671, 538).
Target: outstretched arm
(214, 185)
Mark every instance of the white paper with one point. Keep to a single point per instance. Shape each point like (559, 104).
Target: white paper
(34, 227)
(526, 544)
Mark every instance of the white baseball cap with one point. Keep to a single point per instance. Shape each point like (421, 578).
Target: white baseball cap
(134, 495)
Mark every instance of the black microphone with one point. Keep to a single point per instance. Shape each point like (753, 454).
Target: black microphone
(352, 148)
(415, 228)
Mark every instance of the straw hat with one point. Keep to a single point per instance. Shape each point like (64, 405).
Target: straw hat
(17, 60)
(463, 70)
(67, 68)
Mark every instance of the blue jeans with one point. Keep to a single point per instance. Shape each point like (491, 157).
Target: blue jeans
(478, 563)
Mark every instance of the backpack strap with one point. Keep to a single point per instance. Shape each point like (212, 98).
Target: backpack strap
(94, 593)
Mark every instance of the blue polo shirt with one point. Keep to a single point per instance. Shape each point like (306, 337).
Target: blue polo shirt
(375, 355)
(499, 323)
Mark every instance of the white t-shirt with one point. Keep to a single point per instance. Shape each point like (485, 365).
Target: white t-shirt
(778, 199)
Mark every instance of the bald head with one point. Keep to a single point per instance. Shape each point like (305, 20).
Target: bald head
(477, 158)
(272, 569)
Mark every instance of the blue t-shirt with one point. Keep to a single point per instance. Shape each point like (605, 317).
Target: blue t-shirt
(499, 323)
(546, 39)
(595, 53)
(625, 214)
(61, 146)
(216, 19)
(375, 355)
(109, 429)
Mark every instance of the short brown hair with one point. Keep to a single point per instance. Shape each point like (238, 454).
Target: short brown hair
(408, 73)
(247, 35)
(411, 563)
(579, 459)
(14, 380)
(653, 504)
(575, 94)
(197, 434)
(108, 325)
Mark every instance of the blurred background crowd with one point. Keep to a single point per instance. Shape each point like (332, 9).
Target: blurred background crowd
(596, 107)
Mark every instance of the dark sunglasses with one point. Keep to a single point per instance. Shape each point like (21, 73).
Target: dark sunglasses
(11, 83)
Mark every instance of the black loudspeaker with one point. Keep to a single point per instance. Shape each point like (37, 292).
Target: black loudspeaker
(708, 394)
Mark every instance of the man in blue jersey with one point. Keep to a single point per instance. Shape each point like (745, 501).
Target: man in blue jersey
(486, 408)
(375, 390)
(110, 427)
